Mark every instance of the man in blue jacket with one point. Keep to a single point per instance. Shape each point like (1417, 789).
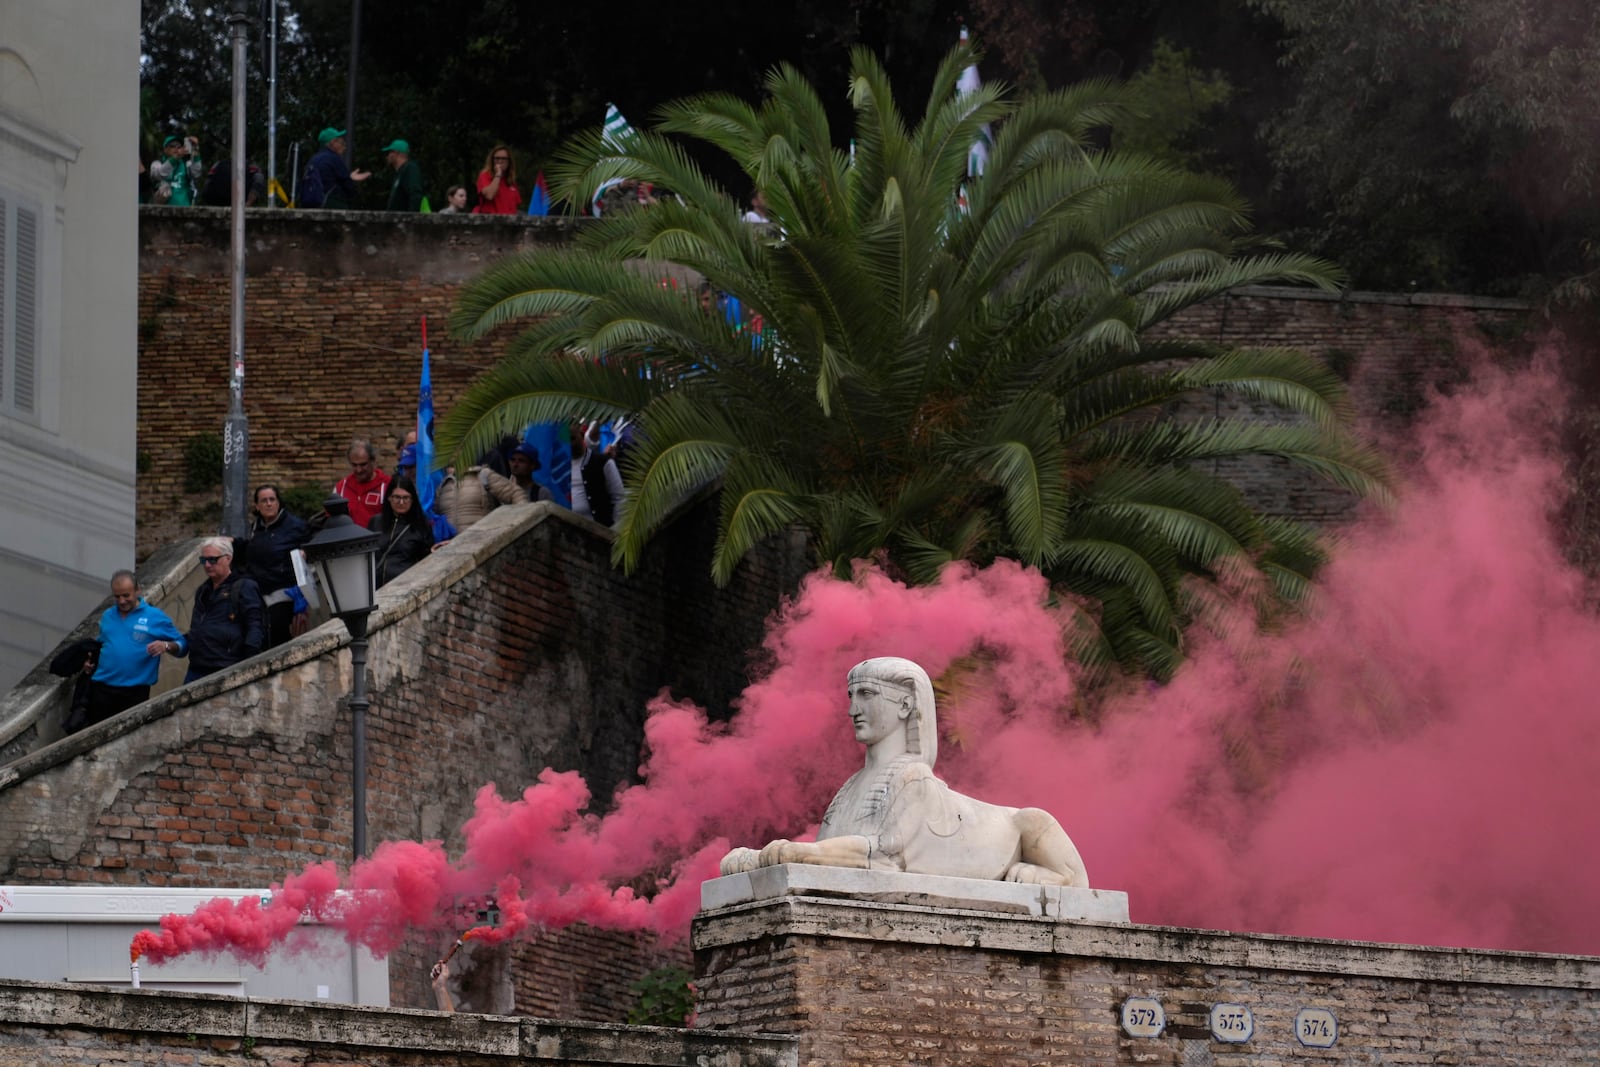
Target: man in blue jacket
(328, 182)
(132, 637)
(229, 622)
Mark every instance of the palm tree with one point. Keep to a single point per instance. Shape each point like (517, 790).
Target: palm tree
(932, 383)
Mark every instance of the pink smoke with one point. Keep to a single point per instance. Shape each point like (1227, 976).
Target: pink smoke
(1410, 762)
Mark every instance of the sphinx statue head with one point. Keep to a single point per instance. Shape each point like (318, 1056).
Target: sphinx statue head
(922, 731)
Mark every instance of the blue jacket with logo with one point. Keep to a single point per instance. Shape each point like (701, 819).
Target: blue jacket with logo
(123, 659)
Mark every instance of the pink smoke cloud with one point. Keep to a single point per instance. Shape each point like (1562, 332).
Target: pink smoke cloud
(1411, 761)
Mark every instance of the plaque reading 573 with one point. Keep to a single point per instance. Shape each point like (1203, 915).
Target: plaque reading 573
(1232, 1023)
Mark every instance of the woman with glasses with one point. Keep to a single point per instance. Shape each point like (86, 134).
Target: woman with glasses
(263, 554)
(407, 534)
(497, 185)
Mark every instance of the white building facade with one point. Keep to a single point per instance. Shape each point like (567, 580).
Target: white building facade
(69, 147)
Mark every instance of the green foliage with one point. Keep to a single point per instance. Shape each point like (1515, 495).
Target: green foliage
(1172, 103)
(931, 384)
(455, 79)
(665, 998)
(304, 499)
(1441, 144)
(202, 462)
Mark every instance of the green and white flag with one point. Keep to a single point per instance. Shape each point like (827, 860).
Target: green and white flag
(616, 127)
(615, 132)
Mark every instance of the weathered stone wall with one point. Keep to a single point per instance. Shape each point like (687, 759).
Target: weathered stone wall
(513, 648)
(332, 341)
(75, 1026)
(880, 983)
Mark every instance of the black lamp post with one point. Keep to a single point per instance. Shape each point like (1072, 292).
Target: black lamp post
(344, 556)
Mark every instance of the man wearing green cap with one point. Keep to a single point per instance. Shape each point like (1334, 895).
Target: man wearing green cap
(178, 172)
(327, 182)
(406, 192)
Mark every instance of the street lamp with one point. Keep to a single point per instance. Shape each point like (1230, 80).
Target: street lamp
(344, 556)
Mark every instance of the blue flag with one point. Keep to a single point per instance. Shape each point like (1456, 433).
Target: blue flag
(552, 442)
(539, 198)
(429, 477)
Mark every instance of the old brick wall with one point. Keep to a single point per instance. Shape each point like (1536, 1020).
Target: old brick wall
(1392, 351)
(77, 1026)
(872, 983)
(513, 648)
(332, 341)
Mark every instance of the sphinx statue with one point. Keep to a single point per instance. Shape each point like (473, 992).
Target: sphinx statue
(894, 815)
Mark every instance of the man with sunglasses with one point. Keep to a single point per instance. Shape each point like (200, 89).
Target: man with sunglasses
(229, 621)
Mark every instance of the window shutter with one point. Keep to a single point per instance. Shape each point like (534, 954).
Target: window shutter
(25, 353)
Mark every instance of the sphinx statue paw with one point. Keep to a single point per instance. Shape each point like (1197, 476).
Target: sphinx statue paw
(1033, 874)
(741, 860)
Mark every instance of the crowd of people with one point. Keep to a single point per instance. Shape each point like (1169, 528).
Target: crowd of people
(252, 598)
(179, 178)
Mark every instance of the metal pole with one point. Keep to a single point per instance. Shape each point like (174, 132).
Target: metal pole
(350, 89)
(272, 110)
(357, 625)
(236, 428)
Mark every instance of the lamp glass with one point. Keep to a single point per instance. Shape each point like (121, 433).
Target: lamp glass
(350, 582)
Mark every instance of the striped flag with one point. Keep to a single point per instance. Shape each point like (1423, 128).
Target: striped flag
(429, 478)
(616, 128)
(539, 198)
(615, 133)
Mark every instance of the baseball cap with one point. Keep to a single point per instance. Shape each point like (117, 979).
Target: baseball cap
(396, 145)
(329, 134)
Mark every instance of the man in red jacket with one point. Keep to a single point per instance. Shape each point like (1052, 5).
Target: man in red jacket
(365, 485)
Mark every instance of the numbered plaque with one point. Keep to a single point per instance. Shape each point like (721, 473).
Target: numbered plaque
(1316, 1028)
(1143, 1017)
(1232, 1023)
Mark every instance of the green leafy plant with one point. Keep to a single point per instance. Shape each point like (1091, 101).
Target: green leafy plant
(202, 462)
(304, 499)
(666, 998)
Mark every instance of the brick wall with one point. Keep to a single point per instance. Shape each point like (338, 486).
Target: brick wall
(876, 983)
(513, 648)
(74, 1026)
(332, 341)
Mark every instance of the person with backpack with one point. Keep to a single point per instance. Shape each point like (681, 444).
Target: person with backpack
(228, 623)
(327, 182)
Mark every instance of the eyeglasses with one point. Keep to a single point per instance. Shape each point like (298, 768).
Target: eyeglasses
(502, 159)
(210, 560)
(400, 498)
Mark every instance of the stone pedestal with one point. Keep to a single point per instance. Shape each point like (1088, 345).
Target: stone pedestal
(871, 968)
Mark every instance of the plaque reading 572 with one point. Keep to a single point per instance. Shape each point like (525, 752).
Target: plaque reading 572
(1143, 1017)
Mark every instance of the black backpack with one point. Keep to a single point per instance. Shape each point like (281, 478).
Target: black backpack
(311, 192)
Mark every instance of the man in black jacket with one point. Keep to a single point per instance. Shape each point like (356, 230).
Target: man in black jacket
(229, 621)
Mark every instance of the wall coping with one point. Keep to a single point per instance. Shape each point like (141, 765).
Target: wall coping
(59, 1005)
(831, 918)
(538, 229)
